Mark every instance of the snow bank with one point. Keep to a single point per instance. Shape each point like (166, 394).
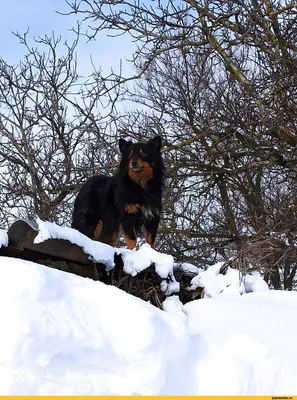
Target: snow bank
(247, 343)
(65, 334)
(62, 334)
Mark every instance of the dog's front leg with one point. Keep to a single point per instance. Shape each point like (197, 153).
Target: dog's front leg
(129, 233)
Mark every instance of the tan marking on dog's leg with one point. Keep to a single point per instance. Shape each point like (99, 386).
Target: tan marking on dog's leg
(131, 243)
(107, 238)
(97, 231)
(149, 239)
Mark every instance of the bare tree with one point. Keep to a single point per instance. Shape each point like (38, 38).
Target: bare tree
(218, 80)
(52, 131)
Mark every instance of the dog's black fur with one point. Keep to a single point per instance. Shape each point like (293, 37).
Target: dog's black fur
(129, 200)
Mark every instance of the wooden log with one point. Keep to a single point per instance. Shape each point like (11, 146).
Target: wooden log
(22, 234)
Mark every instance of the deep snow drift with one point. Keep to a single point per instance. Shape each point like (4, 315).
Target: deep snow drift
(62, 334)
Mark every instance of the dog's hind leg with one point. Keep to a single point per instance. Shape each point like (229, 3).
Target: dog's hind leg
(106, 234)
(151, 230)
(131, 242)
(98, 230)
(84, 224)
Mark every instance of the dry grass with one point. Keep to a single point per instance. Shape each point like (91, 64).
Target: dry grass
(145, 285)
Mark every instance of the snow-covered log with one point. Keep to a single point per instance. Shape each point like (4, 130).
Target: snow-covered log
(144, 272)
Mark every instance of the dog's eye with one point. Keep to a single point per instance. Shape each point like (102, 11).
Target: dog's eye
(143, 154)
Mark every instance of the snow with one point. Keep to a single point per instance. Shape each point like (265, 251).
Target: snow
(187, 267)
(205, 280)
(173, 305)
(63, 334)
(231, 282)
(99, 252)
(137, 261)
(3, 238)
(248, 343)
(134, 261)
(169, 287)
(253, 282)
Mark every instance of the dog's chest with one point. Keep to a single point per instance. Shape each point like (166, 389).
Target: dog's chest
(147, 212)
(143, 211)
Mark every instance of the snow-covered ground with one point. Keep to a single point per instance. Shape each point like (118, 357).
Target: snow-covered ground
(62, 334)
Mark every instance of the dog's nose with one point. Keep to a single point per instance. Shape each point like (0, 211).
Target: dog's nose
(134, 163)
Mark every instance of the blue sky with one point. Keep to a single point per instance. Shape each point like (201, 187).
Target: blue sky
(40, 17)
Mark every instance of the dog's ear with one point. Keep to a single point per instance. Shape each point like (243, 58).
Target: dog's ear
(123, 145)
(155, 142)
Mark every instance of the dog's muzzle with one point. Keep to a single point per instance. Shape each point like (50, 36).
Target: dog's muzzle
(135, 166)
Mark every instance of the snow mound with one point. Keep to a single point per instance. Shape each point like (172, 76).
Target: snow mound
(231, 282)
(137, 261)
(253, 282)
(63, 334)
(66, 334)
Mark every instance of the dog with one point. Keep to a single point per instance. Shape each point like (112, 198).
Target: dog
(129, 201)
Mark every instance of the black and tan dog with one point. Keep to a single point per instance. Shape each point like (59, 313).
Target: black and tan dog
(126, 201)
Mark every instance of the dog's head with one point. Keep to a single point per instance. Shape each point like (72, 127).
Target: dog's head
(142, 161)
